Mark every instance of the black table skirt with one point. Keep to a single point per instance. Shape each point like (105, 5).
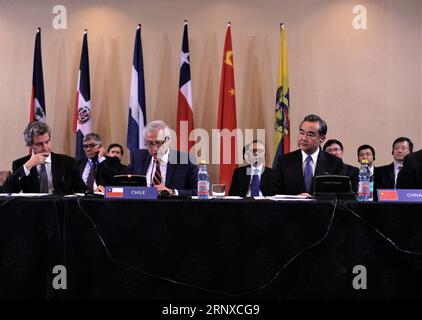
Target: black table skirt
(216, 249)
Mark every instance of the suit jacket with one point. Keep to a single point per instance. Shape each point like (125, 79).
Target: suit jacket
(181, 175)
(105, 170)
(410, 176)
(384, 177)
(241, 181)
(66, 178)
(289, 170)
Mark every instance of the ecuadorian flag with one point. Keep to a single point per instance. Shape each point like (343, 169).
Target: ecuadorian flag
(282, 103)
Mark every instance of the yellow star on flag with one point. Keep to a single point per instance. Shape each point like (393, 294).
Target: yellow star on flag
(228, 59)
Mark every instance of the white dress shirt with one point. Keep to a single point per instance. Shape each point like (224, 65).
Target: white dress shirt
(397, 168)
(254, 170)
(47, 169)
(87, 168)
(313, 163)
(163, 168)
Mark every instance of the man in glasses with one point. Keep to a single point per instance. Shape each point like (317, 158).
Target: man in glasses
(255, 179)
(169, 171)
(335, 147)
(385, 177)
(296, 170)
(43, 171)
(89, 168)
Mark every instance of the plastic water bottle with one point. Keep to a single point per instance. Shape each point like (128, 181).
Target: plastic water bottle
(364, 186)
(203, 181)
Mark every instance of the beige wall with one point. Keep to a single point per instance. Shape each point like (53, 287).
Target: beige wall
(365, 83)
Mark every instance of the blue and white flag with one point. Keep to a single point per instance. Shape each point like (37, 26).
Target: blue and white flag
(137, 109)
(82, 116)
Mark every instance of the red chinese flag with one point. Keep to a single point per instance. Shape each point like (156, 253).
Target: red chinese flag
(227, 113)
(388, 195)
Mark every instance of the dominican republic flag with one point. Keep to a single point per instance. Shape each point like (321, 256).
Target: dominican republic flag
(37, 111)
(137, 109)
(82, 116)
(184, 103)
(227, 113)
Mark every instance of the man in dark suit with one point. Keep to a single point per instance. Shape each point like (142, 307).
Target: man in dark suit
(97, 168)
(410, 176)
(254, 179)
(169, 171)
(385, 177)
(335, 147)
(297, 169)
(43, 171)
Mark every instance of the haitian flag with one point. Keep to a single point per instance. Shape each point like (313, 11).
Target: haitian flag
(227, 113)
(37, 111)
(137, 108)
(184, 103)
(82, 116)
(282, 102)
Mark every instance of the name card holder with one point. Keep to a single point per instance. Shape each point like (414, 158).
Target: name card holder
(399, 195)
(112, 192)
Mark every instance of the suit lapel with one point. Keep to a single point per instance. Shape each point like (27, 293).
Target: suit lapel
(82, 166)
(245, 180)
(34, 179)
(56, 171)
(298, 169)
(170, 168)
(322, 164)
(264, 177)
(145, 163)
(391, 175)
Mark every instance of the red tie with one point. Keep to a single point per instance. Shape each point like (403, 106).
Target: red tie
(157, 175)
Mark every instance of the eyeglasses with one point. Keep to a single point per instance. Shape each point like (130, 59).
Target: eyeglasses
(91, 145)
(40, 144)
(157, 143)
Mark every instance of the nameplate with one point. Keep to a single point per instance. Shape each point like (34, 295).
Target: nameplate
(130, 192)
(399, 195)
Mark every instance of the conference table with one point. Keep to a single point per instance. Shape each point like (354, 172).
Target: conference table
(220, 249)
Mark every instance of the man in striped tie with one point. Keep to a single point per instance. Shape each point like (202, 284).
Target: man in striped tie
(169, 171)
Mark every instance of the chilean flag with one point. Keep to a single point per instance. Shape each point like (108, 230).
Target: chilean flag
(137, 108)
(184, 103)
(82, 116)
(227, 113)
(115, 192)
(37, 111)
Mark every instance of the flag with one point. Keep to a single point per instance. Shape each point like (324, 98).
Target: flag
(115, 192)
(82, 116)
(137, 109)
(282, 102)
(387, 195)
(227, 113)
(184, 103)
(37, 111)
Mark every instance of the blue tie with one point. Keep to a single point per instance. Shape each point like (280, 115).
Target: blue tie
(255, 184)
(308, 174)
